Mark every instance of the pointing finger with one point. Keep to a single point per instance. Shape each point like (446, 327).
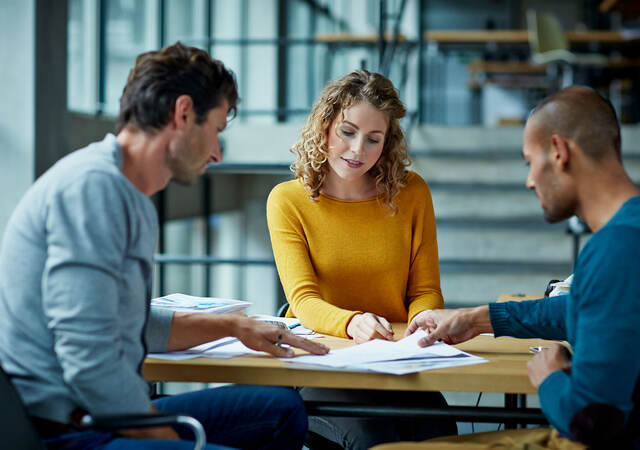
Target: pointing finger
(305, 344)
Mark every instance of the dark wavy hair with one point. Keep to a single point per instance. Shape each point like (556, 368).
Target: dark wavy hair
(160, 77)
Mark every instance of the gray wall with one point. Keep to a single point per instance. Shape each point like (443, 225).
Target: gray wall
(17, 107)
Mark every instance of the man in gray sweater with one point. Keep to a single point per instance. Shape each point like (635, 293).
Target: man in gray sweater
(76, 266)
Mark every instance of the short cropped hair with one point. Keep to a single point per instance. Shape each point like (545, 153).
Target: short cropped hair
(311, 150)
(160, 77)
(581, 114)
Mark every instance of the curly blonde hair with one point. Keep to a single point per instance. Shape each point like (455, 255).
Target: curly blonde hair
(390, 171)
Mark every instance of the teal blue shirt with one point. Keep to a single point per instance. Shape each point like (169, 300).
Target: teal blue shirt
(600, 318)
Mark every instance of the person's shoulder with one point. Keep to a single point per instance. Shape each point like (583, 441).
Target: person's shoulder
(83, 165)
(616, 238)
(287, 190)
(88, 175)
(609, 251)
(622, 232)
(415, 185)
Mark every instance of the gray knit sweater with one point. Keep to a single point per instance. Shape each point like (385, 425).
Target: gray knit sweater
(75, 283)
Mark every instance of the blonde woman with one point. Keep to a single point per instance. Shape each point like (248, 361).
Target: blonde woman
(354, 240)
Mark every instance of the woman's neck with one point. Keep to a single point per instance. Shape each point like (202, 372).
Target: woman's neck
(361, 188)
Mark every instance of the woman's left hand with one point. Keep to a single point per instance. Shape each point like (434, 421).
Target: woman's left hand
(366, 327)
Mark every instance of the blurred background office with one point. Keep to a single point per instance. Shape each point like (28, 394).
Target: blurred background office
(468, 70)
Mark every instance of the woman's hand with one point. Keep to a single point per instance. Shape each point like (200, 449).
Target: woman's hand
(366, 327)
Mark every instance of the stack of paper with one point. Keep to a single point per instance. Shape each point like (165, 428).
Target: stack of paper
(291, 323)
(191, 304)
(561, 287)
(399, 357)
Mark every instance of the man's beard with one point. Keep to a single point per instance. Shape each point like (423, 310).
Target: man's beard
(182, 172)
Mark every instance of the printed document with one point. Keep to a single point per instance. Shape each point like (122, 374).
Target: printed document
(399, 357)
(191, 304)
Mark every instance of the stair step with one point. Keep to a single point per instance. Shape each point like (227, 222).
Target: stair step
(513, 245)
(479, 267)
(484, 202)
(491, 168)
(472, 289)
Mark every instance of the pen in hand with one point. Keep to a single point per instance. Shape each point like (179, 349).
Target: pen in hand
(537, 348)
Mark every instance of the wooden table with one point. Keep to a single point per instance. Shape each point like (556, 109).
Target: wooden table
(505, 372)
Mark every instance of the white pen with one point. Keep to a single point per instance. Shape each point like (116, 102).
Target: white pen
(537, 348)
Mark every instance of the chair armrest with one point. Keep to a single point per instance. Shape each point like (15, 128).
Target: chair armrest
(113, 422)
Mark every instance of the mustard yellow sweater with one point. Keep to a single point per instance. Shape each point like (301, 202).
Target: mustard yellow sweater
(337, 258)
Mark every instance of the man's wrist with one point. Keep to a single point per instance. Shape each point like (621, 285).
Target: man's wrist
(236, 325)
(480, 319)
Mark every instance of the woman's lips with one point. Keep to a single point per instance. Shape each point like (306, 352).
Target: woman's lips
(352, 163)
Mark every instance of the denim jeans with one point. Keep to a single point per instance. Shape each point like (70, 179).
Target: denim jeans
(244, 417)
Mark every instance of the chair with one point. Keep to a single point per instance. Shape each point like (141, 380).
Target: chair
(18, 433)
(549, 46)
(16, 429)
(282, 310)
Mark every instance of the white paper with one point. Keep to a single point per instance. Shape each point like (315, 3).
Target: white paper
(405, 366)
(292, 323)
(400, 357)
(189, 303)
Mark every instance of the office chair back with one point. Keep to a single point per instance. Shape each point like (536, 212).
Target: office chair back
(545, 33)
(16, 430)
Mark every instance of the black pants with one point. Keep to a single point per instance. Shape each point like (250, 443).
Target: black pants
(354, 433)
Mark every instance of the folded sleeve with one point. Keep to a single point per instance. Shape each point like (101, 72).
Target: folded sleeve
(158, 330)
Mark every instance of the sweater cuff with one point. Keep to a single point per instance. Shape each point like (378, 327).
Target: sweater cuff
(158, 329)
(549, 392)
(499, 317)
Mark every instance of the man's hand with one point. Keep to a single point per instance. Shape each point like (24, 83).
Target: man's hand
(451, 326)
(547, 361)
(366, 327)
(268, 338)
(167, 433)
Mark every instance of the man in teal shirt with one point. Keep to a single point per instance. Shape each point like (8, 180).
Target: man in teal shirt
(572, 147)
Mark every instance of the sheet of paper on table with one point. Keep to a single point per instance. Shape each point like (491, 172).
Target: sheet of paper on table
(190, 304)
(399, 357)
(292, 323)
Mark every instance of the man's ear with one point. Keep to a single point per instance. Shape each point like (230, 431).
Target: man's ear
(560, 150)
(183, 114)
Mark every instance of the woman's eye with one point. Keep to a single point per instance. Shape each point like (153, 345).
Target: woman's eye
(347, 133)
(374, 141)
